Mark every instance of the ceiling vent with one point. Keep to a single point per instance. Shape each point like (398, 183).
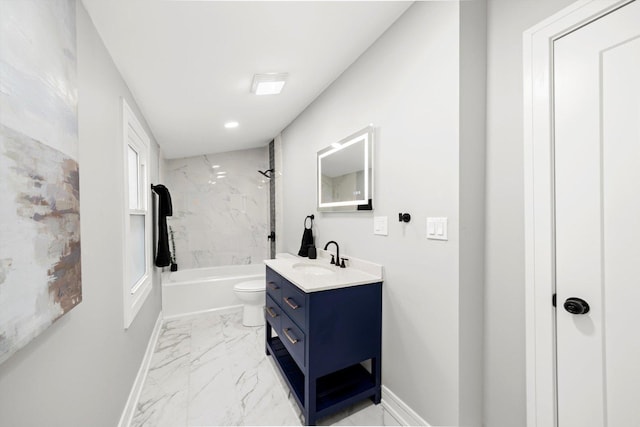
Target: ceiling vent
(268, 84)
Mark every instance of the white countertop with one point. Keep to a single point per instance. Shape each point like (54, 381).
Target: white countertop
(357, 272)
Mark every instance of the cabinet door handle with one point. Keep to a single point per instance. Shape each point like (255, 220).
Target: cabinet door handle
(270, 311)
(290, 303)
(289, 337)
(273, 286)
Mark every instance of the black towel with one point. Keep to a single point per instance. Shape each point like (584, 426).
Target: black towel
(165, 209)
(307, 239)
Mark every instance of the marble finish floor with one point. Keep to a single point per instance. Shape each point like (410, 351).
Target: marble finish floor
(209, 370)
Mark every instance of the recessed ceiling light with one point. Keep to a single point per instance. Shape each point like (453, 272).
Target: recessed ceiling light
(231, 125)
(268, 84)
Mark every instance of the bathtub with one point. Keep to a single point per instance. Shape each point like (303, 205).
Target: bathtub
(204, 289)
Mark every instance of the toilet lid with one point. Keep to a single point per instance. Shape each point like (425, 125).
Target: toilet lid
(250, 286)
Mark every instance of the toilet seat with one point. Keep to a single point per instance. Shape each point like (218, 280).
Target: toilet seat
(250, 286)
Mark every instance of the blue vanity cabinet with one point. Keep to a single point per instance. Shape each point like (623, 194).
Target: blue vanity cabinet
(322, 339)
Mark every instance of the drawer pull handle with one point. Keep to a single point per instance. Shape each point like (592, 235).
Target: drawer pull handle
(291, 339)
(273, 286)
(291, 304)
(271, 313)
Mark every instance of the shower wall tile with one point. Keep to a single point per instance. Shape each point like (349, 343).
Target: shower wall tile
(220, 218)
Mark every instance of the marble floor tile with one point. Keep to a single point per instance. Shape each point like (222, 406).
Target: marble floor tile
(210, 370)
(164, 397)
(213, 399)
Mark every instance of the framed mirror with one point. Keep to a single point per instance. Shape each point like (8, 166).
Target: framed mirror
(345, 173)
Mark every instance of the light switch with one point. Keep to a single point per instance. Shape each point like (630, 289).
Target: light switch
(437, 228)
(380, 225)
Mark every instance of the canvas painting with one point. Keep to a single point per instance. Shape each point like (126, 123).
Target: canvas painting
(40, 275)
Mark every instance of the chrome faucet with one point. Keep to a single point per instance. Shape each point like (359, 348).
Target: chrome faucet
(337, 259)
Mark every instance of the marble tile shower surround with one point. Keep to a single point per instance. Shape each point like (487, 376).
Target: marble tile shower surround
(220, 208)
(209, 370)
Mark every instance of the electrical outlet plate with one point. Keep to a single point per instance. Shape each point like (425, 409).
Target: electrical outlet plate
(437, 228)
(380, 225)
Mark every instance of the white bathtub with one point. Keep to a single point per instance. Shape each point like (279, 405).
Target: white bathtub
(205, 289)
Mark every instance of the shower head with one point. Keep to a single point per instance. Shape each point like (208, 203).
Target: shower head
(267, 173)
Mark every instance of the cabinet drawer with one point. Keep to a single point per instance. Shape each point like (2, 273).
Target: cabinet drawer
(273, 313)
(273, 284)
(293, 339)
(293, 301)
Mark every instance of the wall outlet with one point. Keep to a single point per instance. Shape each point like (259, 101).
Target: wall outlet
(437, 228)
(380, 225)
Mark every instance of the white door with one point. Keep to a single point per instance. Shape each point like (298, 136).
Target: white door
(597, 221)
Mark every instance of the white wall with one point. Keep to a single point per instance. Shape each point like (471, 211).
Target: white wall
(80, 371)
(504, 277)
(473, 65)
(407, 85)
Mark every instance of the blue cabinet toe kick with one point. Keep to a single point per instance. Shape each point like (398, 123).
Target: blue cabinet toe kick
(341, 328)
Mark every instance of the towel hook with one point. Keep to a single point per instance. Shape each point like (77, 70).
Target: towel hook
(311, 217)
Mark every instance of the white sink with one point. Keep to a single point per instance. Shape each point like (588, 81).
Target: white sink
(313, 269)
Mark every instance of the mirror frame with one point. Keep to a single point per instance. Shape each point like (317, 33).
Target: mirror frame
(366, 202)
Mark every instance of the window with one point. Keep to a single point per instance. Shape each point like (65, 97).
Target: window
(137, 222)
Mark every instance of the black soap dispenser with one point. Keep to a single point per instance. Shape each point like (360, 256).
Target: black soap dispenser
(312, 253)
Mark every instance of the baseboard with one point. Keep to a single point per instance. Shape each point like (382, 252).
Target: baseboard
(400, 410)
(219, 310)
(136, 389)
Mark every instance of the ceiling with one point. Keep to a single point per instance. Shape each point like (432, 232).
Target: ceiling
(190, 64)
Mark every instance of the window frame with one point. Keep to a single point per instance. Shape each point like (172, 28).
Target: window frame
(135, 295)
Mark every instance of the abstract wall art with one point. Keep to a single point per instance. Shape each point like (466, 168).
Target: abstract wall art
(40, 275)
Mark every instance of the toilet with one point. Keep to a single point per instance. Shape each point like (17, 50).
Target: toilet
(251, 293)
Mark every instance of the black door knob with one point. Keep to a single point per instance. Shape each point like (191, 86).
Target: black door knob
(576, 306)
